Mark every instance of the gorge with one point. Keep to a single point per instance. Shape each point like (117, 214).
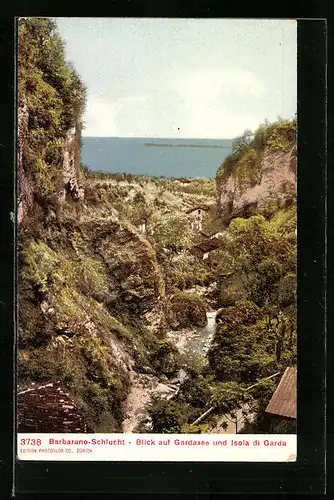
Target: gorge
(120, 321)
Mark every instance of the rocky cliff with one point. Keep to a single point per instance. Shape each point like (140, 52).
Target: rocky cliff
(260, 180)
(256, 267)
(68, 170)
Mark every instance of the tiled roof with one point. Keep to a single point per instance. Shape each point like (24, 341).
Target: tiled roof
(207, 246)
(197, 207)
(46, 408)
(284, 399)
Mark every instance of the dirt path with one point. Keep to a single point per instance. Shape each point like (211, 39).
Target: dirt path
(138, 400)
(143, 388)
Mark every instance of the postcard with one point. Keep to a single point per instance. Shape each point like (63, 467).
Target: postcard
(157, 223)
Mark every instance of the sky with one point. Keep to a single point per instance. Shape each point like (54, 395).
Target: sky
(182, 78)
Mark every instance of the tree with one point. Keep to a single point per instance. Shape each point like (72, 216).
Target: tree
(240, 144)
(171, 231)
(167, 416)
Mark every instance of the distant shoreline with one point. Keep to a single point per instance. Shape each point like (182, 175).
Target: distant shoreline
(151, 144)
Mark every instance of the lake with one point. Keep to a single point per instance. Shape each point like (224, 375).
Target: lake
(155, 156)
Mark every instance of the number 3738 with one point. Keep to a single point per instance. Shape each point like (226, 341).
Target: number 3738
(30, 441)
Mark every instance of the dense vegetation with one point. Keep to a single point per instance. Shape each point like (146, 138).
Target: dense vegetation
(205, 187)
(256, 330)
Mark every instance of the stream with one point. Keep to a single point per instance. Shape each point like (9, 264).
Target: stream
(192, 342)
(199, 341)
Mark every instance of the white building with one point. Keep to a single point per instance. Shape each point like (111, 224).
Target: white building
(196, 215)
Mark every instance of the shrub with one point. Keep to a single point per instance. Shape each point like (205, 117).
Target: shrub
(168, 417)
(187, 309)
(287, 290)
(163, 357)
(195, 391)
(248, 149)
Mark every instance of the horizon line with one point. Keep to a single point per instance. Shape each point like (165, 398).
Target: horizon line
(159, 137)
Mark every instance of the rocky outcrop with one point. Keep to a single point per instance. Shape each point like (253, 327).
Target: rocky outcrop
(71, 166)
(135, 280)
(273, 186)
(185, 310)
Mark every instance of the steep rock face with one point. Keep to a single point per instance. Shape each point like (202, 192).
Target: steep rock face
(273, 185)
(91, 312)
(71, 166)
(69, 173)
(135, 280)
(26, 187)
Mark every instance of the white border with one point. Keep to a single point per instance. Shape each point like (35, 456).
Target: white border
(158, 447)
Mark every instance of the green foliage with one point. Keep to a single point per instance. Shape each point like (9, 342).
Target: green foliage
(171, 231)
(139, 212)
(252, 343)
(195, 429)
(205, 187)
(241, 145)
(65, 328)
(187, 271)
(40, 266)
(99, 391)
(48, 271)
(248, 171)
(196, 392)
(287, 290)
(193, 365)
(168, 417)
(227, 396)
(164, 357)
(262, 255)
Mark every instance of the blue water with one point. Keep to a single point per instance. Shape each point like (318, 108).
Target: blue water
(132, 155)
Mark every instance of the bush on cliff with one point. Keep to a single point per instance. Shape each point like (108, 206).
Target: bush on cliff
(187, 271)
(67, 326)
(171, 232)
(164, 358)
